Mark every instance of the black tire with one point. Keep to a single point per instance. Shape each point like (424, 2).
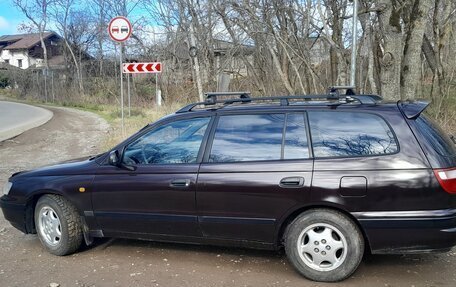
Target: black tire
(70, 225)
(301, 230)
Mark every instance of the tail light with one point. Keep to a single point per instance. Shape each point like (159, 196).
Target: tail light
(447, 179)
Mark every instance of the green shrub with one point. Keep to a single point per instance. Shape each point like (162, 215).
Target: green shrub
(4, 80)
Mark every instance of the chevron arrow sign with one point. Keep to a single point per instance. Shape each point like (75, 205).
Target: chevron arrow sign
(141, 68)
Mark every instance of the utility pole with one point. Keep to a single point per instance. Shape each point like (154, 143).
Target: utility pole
(354, 38)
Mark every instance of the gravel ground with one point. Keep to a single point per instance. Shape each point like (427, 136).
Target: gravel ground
(119, 262)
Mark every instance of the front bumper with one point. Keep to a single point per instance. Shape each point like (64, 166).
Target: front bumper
(397, 232)
(14, 212)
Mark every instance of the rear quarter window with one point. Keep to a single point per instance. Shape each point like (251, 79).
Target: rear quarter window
(350, 134)
(438, 138)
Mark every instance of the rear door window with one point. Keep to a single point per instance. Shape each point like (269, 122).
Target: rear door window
(260, 137)
(350, 134)
(295, 143)
(248, 138)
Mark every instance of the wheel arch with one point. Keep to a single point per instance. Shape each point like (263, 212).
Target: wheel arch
(32, 200)
(295, 212)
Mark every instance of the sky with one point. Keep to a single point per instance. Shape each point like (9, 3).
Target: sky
(10, 17)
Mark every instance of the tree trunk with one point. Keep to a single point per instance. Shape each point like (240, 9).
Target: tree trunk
(196, 65)
(411, 62)
(390, 25)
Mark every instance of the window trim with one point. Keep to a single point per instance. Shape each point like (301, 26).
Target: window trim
(211, 137)
(355, 156)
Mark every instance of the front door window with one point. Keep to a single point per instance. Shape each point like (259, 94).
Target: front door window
(172, 143)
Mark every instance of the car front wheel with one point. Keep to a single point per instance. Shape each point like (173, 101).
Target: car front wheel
(58, 225)
(324, 245)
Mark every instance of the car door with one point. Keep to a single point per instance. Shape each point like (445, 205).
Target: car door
(158, 196)
(256, 168)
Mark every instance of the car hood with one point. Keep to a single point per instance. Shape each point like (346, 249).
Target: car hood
(77, 166)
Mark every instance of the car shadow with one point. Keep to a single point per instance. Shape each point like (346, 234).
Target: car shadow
(369, 260)
(105, 243)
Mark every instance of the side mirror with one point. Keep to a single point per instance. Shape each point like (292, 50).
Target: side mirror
(114, 158)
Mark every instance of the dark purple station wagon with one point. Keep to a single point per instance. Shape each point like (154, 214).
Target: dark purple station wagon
(327, 177)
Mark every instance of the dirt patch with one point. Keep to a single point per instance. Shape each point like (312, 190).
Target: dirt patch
(118, 262)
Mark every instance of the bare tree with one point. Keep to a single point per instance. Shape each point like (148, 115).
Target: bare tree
(37, 12)
(61, 14)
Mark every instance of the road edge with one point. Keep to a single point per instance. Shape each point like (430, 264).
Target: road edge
(21, 128)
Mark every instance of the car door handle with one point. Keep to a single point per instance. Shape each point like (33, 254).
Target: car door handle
(290, 182)
(180, 183)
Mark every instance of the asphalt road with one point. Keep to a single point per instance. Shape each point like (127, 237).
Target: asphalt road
(15, 118)
(119, 262)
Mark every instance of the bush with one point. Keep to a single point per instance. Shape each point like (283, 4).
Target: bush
(4, 80)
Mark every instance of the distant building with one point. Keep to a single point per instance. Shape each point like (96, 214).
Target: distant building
(229, 57)
(318, 49)
(24, 50)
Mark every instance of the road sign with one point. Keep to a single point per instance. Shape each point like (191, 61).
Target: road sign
(142, 68)
(119, 29)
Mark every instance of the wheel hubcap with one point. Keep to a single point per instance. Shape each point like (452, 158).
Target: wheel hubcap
(322, 247)
(49, 225)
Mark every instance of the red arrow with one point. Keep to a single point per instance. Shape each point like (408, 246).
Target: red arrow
(149, 67)
(130, 67)
(158, 67)
(139, 67)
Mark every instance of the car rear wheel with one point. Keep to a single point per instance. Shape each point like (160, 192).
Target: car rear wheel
(324, 245)
(58, 225)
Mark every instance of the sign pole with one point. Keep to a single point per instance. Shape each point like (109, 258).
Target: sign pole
(129, 95)
(121, 90)
(156, 90)
(119, 29)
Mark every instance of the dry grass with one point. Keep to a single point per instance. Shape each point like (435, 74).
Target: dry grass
(138, 119)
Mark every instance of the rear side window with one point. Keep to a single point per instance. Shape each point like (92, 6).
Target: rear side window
(442, 143)
(347, 134)
(259, 137)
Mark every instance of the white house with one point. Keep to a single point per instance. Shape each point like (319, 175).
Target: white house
(24, 51)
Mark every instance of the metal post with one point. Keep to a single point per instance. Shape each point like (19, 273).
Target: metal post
(52, 86)
(158, 102)
(159, 98)
(121, 89)
(354, 38)
(129, 97)
(45, 85)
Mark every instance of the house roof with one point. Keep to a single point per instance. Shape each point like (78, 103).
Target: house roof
(11, 38)
(23, 41)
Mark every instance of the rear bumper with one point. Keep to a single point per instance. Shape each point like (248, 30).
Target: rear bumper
(14, 213)
(399, 232)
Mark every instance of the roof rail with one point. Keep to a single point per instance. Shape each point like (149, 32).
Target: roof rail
(349, 90)
(211, 97)
(333, 97)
